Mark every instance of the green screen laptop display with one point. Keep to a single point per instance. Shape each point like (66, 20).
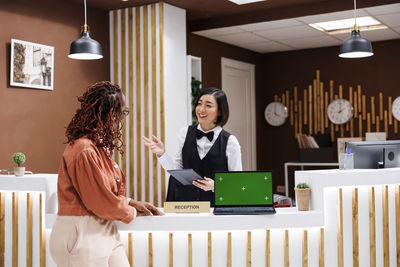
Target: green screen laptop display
(243, 188)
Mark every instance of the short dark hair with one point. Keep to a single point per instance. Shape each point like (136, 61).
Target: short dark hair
(222, 101)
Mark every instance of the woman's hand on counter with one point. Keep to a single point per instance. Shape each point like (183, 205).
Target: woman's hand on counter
(145, 208)
(155, 145)
(206, 184)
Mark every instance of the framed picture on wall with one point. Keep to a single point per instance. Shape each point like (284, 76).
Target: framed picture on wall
(32, 65)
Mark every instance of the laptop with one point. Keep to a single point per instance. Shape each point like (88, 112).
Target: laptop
(243, 193)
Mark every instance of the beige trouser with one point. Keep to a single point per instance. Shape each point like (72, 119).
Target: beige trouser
(85, 241)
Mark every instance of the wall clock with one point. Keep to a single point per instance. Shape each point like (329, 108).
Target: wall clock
(340, 111)
(276, 113)
(396, 108)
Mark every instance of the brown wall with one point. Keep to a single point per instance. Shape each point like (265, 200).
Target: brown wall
(278, 72)
(379, 73)
(33, 121)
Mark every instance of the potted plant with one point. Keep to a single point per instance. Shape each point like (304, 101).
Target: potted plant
(303, 191)
(19, 158)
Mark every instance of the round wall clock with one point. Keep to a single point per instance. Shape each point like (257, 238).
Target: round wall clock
(340, 111)
(276, 113)
(396, 108)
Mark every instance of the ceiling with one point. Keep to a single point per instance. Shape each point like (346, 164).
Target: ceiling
(295, 33)
(273, 25)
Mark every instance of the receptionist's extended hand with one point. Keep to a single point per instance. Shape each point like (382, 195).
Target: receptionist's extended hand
(206, 184)
(155, 145)
(145, 208)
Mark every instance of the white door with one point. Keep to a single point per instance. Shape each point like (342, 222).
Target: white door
(238, 84)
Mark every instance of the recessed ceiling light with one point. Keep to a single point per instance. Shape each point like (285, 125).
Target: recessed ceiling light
(346, 25)
(242, 2)
(124, 0)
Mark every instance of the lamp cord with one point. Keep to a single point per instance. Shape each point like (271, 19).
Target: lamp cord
(85, 10)
(355, 13)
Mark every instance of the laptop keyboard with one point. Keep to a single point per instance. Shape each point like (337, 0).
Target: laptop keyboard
(243, 210)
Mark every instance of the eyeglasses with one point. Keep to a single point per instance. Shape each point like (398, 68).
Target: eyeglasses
(125, 112)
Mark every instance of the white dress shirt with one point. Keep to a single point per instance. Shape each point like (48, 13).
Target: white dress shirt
(203, 146)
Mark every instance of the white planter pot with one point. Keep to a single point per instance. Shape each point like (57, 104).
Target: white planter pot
(19, 171)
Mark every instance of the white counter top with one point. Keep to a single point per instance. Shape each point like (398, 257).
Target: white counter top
(284, 218)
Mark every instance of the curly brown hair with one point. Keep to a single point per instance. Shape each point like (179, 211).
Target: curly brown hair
(99, 117)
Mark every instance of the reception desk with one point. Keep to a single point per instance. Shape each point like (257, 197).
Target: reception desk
(354, 220)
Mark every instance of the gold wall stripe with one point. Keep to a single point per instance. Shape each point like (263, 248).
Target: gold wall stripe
(130, 249)
(29, 221)
(385, 224)
(397, 207)
(116, 80)
(146, 101)
(154, 98)
(373, 109)
(2, 227)
(248, 254)
(151, 250)
(138, 107)
(268, 248)
(131, 92)
(229, 250)
(305, 249)
(209, 250)
(321, 259)
(190, 250)
(286, 249)
(372, 240)
(162, 112)
(340, 228)
(14, 229)
(380, 106)
(359, 97)
(171, 249)
(123, 81)
(355, 226)
(42, 233)
(390, 110)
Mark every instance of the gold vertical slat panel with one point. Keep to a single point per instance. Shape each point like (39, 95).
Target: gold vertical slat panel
(377, 124)
(300, 129)
(268, 248)
(360, 127)
(355, 226)
(286, 256)
(131, 92)
(295, 99)
(154, 98)
(162, 112)
(171, 250)
(130, 249)
(248, 250)
(321, 258)
(368, 122)
(14, 229)
(326, 109)
(209, 246)
(190, 250)
(372, 230)
(395, 126)
(42, 232)
(390, 110)
(380, 106)
(364, 107)
(310, 116)
(2, 227)
(315, 107)
(373, 109)
(322, 119)
(397, 207)
(283, 99)
(151, 264)
(340, 228)
(146, 101)
(116, 69)
(385, 122)
(138, 105)
(385, 225)
(29, 224)
(305, 249)
(355, 104)
(229, 250)
(305, 100)
(123, 81)
(359, 97)
(291, 112)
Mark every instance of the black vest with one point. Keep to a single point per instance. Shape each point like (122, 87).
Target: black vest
(215, 160)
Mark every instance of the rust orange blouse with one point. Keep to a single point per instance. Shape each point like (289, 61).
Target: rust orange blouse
(91, 183)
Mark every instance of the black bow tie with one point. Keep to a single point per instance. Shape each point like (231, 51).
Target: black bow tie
(200, 134)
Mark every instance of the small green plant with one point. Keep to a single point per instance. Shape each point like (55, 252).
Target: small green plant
(19, 158)
(302, 186)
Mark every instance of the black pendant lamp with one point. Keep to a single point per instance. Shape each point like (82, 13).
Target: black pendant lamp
(355, 46)
(85, 48)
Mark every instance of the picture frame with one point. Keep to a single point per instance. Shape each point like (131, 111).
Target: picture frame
(32, 65)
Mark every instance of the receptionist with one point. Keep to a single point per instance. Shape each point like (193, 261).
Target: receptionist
(204, 147)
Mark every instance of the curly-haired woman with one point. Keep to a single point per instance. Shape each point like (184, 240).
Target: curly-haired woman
(91, 186)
